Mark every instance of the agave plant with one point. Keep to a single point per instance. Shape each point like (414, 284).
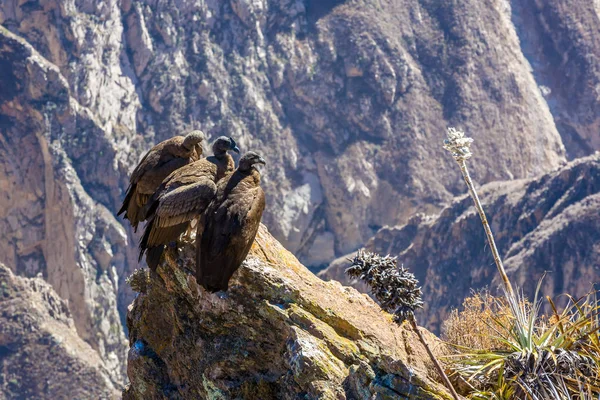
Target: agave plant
(557, 359)
(542, 359)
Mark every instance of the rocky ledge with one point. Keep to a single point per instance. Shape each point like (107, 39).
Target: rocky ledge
(278, 333)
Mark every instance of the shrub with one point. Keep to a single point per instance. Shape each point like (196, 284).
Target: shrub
(398, 292)
(533, 357)
(395, 288)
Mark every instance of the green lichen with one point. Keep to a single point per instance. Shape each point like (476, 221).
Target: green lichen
(139, 280)
(5, 290)
(212, 392)
(340, 346)
(256, 391)
(181, 278)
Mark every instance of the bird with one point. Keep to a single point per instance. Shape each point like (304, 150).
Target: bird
(182, 196)
(230, 225)
(156, 165)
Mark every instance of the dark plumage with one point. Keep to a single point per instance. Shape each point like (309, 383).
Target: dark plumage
(156, 165)
(230, 225)
(181, 197)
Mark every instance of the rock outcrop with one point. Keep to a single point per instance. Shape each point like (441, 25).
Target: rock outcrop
(278, 333)
(549, 225)
(41, 353)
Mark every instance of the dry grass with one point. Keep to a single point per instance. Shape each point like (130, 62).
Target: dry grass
(506, 349)
(476, 325)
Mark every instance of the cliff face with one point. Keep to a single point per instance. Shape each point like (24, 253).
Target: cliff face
(347, 99)
(41, 353)
(278, 333)
(561, 39)
(49, 224)
(546, 225)
(348, 102)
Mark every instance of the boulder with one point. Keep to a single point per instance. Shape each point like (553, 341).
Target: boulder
(279, 332)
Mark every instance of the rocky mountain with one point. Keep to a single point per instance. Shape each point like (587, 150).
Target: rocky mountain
(348, 100)
(279, 333)
(545, 226)
(41, 353)
(50, 225)
(560, 39)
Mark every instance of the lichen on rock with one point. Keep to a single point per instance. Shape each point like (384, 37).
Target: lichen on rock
(278, 333)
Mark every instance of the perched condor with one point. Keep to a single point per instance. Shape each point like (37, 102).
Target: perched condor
(157, 164)
(183, 196)
(230, 225)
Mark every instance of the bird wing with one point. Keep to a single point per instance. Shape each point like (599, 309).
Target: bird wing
(153, 177)
(140, 168)
(185, 202)
(150, 160)
(254, 216)
(185, 176)
(175, 210)
(131, 203)
(235, 219)
(230, 231)
(153, 164)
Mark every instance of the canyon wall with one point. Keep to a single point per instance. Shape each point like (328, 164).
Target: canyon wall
(545, 227)
(41, 353)
(348, 101)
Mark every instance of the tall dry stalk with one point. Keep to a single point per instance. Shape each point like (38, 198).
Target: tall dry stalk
(459, 145)
(438, 366)
(545, 360)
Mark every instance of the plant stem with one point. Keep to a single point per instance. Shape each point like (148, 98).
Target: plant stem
(486, 226)
(438, 366)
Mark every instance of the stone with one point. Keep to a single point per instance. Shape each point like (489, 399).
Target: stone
(562, 42)
(278, 332)
(51, 225)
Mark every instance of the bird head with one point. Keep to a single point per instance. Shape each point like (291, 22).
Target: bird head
(224, 144)
(192, 139)
(250, 159)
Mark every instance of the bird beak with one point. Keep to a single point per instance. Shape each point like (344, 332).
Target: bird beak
(234, 146)
(261, 161)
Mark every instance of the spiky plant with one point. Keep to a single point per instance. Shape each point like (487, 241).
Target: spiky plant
(395, 288)
(557, 359)
(397, 291)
